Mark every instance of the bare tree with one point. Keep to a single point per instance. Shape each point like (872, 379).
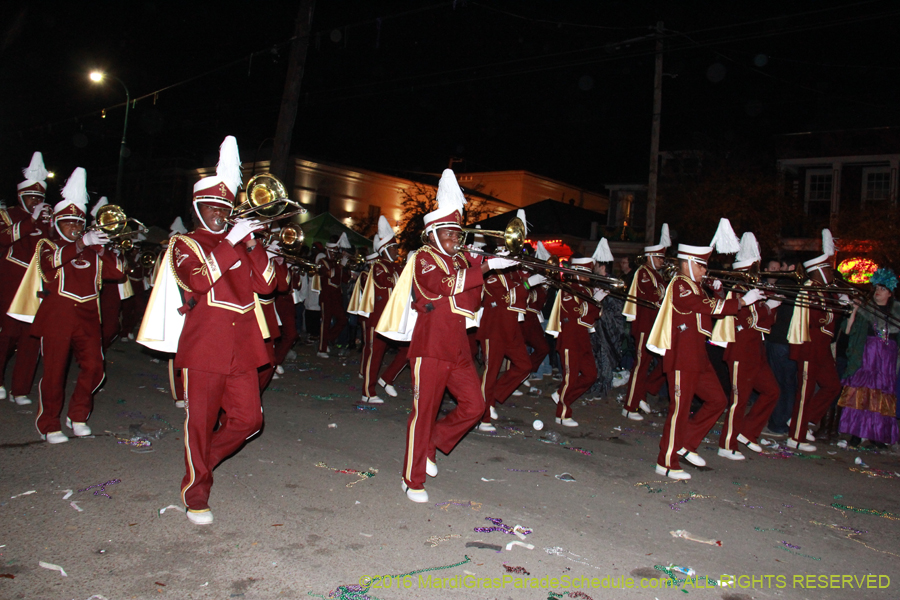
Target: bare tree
(419, 200)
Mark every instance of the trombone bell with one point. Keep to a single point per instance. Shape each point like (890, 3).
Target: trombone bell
(513, 236)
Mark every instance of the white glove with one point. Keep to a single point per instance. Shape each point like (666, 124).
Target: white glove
(716, 284)
(36, 213)
(241, 230)
(600, 294)
(344, 261)
(94, 238)
(502, 251)
(536, 280)
(498, 264)
(844, 299)
(272, 250)
(752, 296)
(773, 304)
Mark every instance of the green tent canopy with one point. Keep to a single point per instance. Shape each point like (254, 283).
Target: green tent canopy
(322, 227)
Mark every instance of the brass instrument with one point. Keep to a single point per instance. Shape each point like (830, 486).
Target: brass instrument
(147, 259)
(289, 239)
(266, 197)
(112, 221)
(514, 240)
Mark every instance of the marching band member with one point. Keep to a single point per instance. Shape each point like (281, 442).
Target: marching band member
(354, 307)
(747, 364)
(68, 320)
(111, 295)
(380, 283)
(505, 302)
(273, 320)
(333, 273)
(176, 385)
(220, 272)
(571, 322)
(679, 334)
(647, 285)
(284, 306)
(438, 292)
(810, 335)
(532, 328)
(22, 226)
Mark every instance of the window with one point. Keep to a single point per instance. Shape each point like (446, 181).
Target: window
(818, 192)
(876, 185)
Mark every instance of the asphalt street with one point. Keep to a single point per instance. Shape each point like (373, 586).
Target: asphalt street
(313, 506)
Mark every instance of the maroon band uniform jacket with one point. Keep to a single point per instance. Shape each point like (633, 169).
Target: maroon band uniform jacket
(220, 332)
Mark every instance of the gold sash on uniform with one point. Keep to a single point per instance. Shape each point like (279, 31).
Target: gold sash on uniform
(660, 338)
(798, 332)
(723, 332)
(26, 302)
(554, 323)
(399, 319)
(630, 308)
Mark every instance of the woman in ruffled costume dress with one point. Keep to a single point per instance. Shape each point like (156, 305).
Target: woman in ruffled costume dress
(870, 380)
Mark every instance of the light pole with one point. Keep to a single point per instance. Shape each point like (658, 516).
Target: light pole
(97, 77)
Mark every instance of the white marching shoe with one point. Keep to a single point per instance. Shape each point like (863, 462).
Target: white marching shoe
(200, 517)
(518, 393)
(494, 414)
(20, 400)
(634, 416)
(55, 437)
(79, 429)
(388, 388)
(751, 445)
(372, 400)
(486, 428)
(2, 393)
(672, 473)
(731, 454)
(419, 496)
(431, 468)
(180, 404)
(322, 355)
(692, 457)
(809, 434)
(567, 422)
(802, 447)
(555, 396)
(279, 370)
(644, 406)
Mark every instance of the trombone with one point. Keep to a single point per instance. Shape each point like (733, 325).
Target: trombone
(289, 240)
(514, 240)
(112, 221)
(266, 197)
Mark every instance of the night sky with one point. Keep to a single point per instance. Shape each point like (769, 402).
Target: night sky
(559, 88)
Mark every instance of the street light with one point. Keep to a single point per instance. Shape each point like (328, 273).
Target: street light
(97, 77)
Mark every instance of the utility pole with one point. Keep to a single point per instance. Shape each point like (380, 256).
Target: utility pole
(287, 115)
(650, 228)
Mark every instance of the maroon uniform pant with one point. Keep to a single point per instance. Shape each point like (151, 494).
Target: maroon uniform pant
(430, 377)
(85, 344)
(746, 377)
(334, 319)
(284, 304)
(265, 373)
(817, 370)
(579, 371)
(536, 339)
(373, 358)
(643, 380)
(496, 389)
(682, 430)
(236, 395)
(110, 309)
(14, 337)
(175, 382)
